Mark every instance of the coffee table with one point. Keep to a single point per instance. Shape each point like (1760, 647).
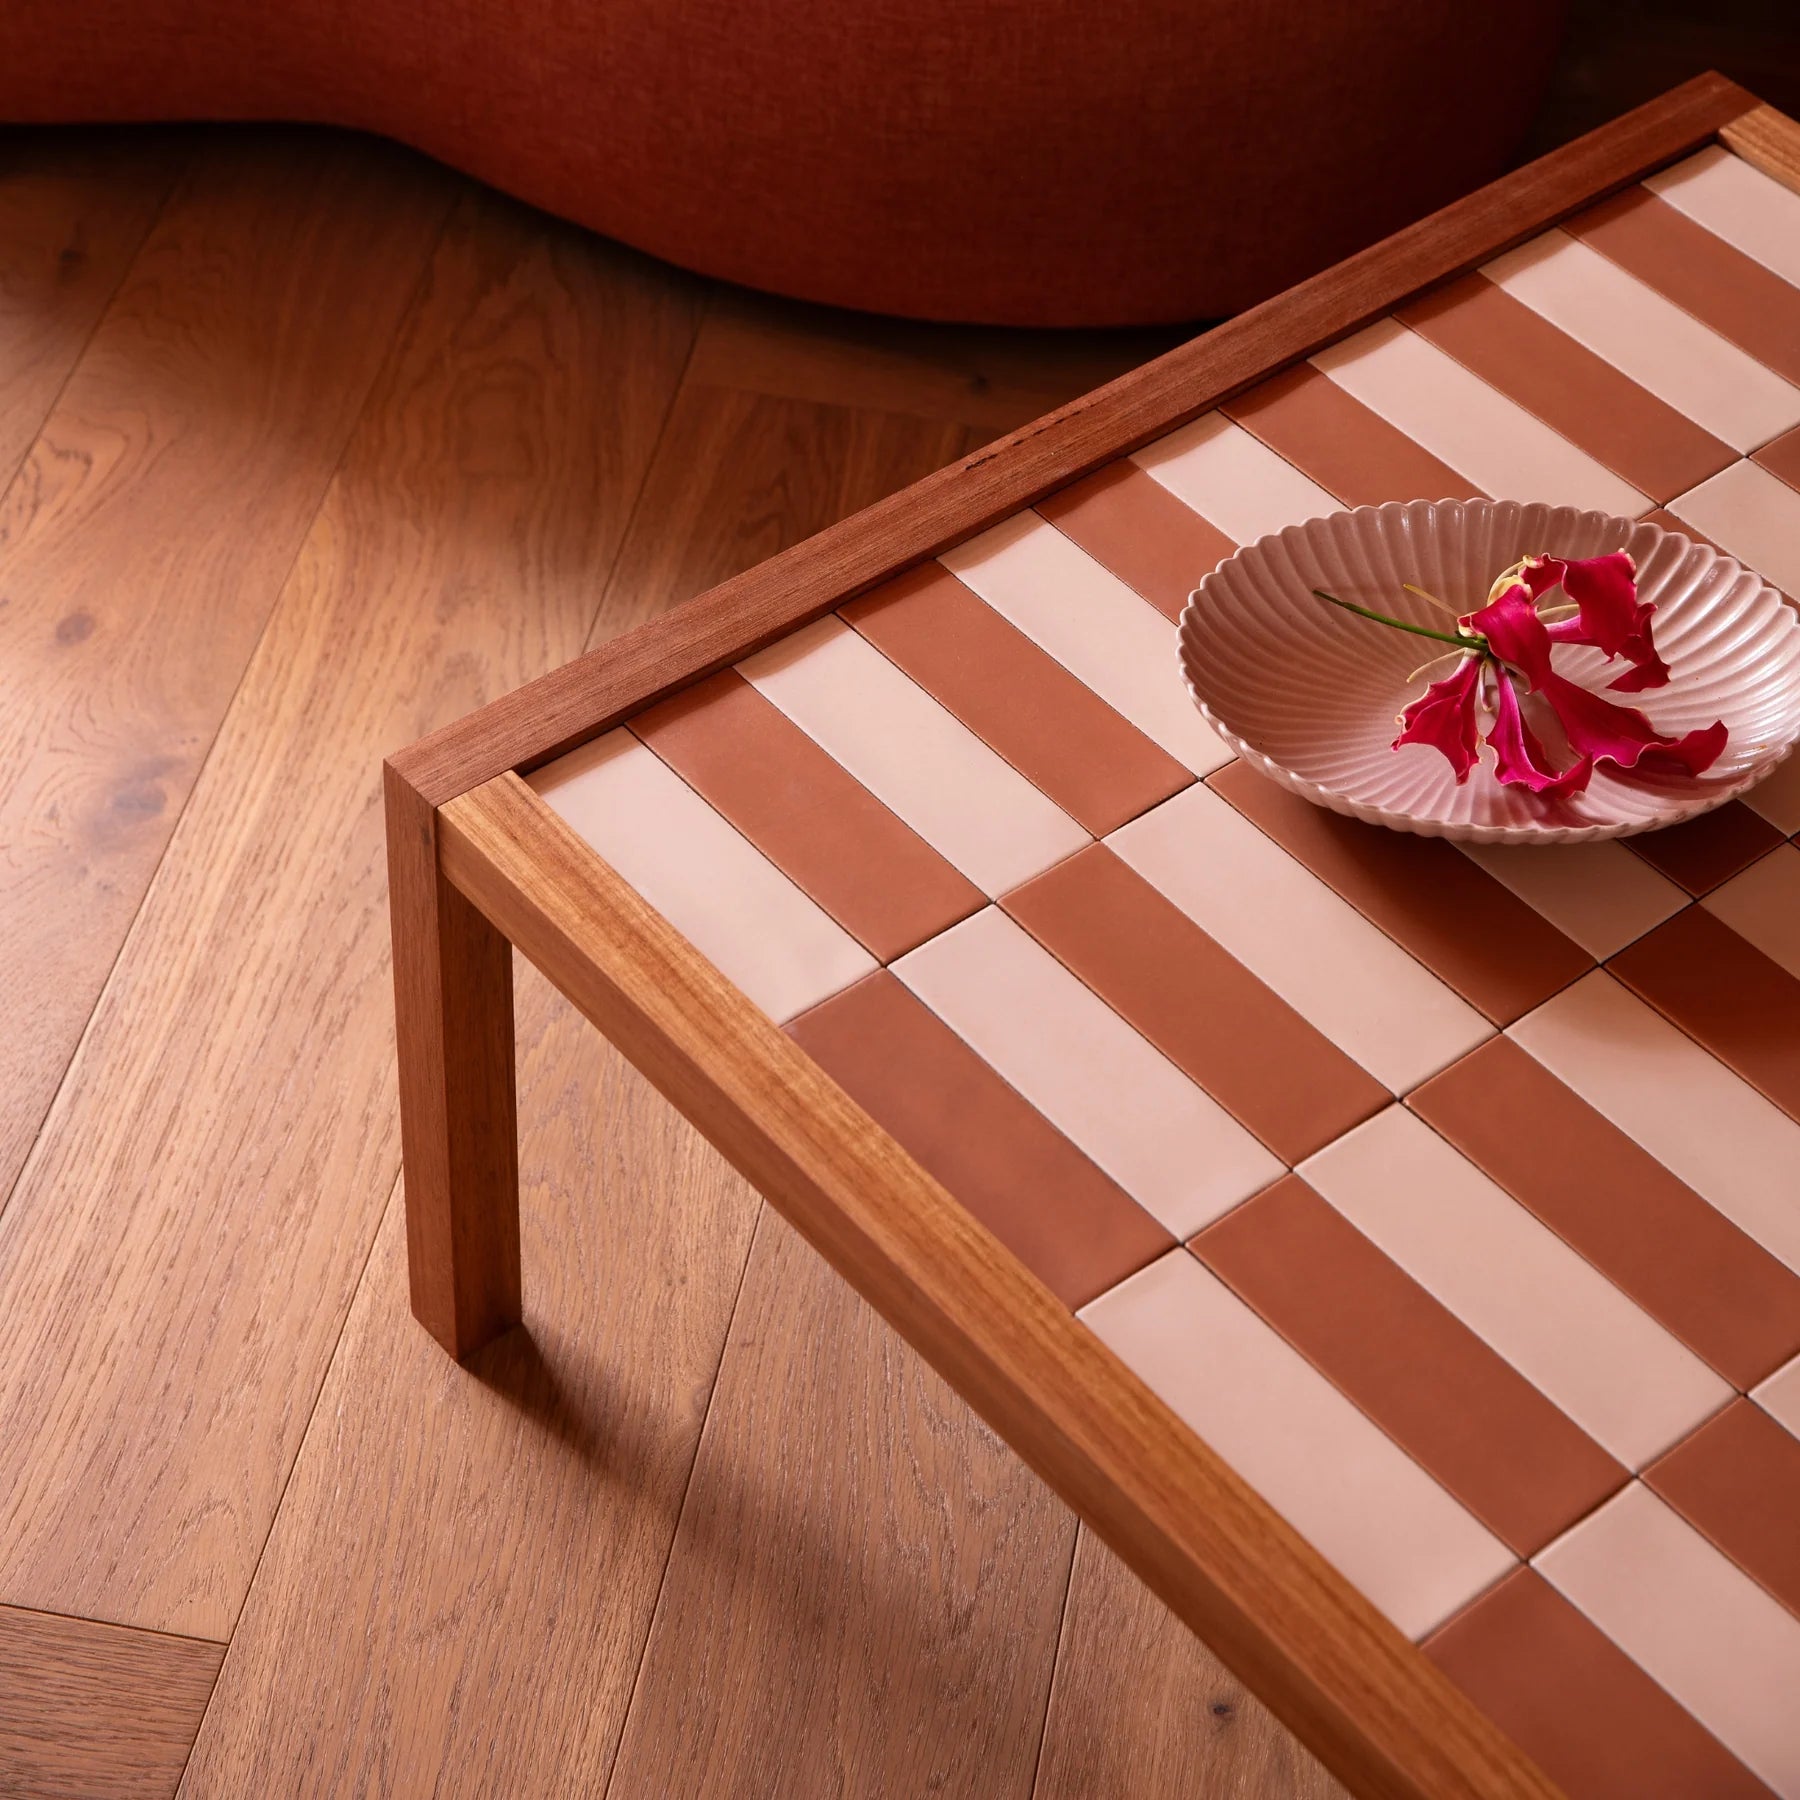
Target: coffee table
(1392, 1250)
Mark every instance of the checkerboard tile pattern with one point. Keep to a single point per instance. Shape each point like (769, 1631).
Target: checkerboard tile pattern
(1452, 1194)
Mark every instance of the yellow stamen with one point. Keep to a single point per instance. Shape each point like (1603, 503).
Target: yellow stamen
(1443, 606)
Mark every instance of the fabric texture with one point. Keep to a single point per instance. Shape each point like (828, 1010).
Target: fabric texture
(1044, 162)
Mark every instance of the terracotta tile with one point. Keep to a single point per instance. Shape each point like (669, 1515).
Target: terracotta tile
(1338, 442)
(1779, 1396)
(1751, 515)
(1649, 338)
(1522, 1467)
(1782, 457)
(731, 903)
(876, 876)
(1702, 852)
(1371, 999)
(1726, 995)
(1669, 522)
(1497, 444)
(1196, 1003)
(1693, 1622)
(1705, 1125)
(1581, 1341)
(1647, 1231)
(1701, 273)
(1166, 1142)
(1057, 732)
(1072, 1226)
(1501, 955)
(1234, 479)
(1135, 527)
(1093, 624)
(1777, 797)
(1577, 1705)
(1599, 894)
(1332, 1474)
(1737, 1480)
(971, 806)
(1740, 203)
(1575, 392)
(1762, 906)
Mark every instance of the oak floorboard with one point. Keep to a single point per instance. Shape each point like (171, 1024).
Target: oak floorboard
(74, 208)
(96, 1712)
(1140, 1706)
(989, 377)
(865, 1591)
(181, 1251)
(741, 475)
(501, 1587)
(149, 530)
(496, 1533)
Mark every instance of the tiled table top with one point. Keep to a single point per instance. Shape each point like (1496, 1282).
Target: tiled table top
(1451, 1194)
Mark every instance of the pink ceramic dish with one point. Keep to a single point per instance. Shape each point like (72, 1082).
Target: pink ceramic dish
(1309, 694)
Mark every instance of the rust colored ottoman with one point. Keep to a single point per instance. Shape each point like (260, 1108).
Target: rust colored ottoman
(1032, 162)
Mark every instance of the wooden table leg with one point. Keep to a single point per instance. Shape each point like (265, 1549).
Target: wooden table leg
(458, 1112)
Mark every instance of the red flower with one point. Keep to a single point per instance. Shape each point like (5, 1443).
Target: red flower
(1444, 717)
(1509, 637)
(1609, 615)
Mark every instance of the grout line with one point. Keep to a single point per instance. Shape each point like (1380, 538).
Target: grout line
(1056, 1660)
(712, 1390)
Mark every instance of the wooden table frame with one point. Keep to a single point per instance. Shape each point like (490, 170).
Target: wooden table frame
(478, 864)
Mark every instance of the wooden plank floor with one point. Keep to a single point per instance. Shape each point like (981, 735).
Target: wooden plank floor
(307, 447)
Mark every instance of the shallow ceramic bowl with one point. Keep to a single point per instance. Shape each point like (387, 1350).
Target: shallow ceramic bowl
(1309, 694)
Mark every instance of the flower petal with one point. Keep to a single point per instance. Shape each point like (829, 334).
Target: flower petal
(1444, 717)
(1519, 759)
(1621, 734)
(1515, 633)
(1604, 587)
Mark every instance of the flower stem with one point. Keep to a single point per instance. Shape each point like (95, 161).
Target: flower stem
(1463, 640)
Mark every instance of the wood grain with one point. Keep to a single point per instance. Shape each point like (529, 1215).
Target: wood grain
(178, 1260)
(740, 477)
(1770, 140)
(500, 1585)
(453, 1029)
(95, 1712)
(1318, 1654)
(982, 376)
(573, 703)
(144, 541)
(866, 1589)
(73, 211)
(1140, 1706)
(496, 1533)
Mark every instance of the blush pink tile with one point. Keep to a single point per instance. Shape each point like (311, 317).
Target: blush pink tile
(1599, 894)
(1753, 516)
(712, 885)
(1172, 1147)
(1652, 340)
(1699, 1120)
(1779, 1396)
(1497, 444)
(1578, 1339)
(1344, 975)
(1328, 1470)
(1693, 1621)
(1740, 203)
(969, 804)
(1762, 906)
(1093, 624)
(1233, 479)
